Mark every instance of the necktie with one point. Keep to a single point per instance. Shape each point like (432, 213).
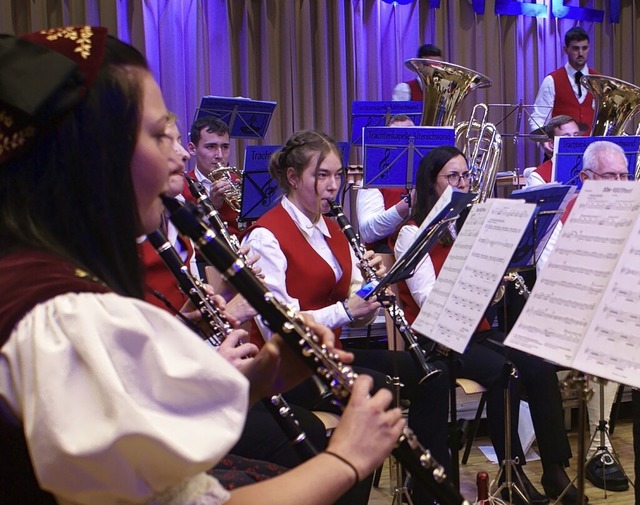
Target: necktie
(578, 77)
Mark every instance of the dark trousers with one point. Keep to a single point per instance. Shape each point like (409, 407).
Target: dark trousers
(264, 439)
(429, 402)
(483, 362)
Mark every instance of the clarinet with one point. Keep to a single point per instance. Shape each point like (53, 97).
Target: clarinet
(397, 315)
(211, 213)
(289, 325)
(217, 324)
(219, 328)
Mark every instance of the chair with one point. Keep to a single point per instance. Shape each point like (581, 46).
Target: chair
(470, 387)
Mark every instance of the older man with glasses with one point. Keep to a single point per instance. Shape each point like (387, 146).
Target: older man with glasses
(605, 160)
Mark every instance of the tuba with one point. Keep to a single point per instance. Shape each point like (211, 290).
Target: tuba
(233, 175)
(481, 143)
(445, 85)
(616, 103)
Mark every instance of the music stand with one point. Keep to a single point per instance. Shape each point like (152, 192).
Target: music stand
(246, 118)
(366, 114)
(259, 191)
(550, 200)
(406, 265)
(568, 152)
(392, 154)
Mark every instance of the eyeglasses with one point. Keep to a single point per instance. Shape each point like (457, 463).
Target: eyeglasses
(454, 178)
(610, 176)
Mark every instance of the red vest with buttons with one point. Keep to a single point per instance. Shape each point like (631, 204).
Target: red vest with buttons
(416, 90)
(308, 278)
(566, 101)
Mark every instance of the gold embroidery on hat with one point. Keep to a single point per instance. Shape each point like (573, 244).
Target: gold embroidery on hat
(81, 35)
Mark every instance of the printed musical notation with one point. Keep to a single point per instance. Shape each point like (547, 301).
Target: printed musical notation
(584, 311)
(472, 272)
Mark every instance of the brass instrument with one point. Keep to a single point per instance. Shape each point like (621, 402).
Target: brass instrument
(481, 143)
(445, 85)
(616, 103)
(396, 313)
(233, 196)
(211, 213)
(289, 325)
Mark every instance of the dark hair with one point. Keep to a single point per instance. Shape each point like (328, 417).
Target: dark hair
(72, 192)
(297, 154)
(557, 122)
(428, 171)
(213, 124)
(428, 50)
(575, 34)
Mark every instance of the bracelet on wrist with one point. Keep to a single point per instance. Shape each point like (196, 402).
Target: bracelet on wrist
(345, 306)
(348, 463)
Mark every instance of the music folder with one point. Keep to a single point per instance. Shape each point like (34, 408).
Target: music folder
(584, 310)
(447, 210)
(392, 154)
(472, 272)
(364, 114)
(568, 152)
(259, 191)
(246, 118)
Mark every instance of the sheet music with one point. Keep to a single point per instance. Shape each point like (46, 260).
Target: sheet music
(569, 289)
(611, 346)
(472, 272)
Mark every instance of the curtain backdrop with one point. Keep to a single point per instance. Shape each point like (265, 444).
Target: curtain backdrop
(315, 57)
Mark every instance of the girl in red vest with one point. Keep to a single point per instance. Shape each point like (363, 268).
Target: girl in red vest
(484, 358)
(308, 263)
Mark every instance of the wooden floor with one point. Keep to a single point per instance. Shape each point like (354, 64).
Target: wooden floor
(622, 441)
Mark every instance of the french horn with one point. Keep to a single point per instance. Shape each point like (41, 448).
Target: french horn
(233, 175)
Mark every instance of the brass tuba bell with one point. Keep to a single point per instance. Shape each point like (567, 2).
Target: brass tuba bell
(445, 85)
(616, 103)
(233, 175)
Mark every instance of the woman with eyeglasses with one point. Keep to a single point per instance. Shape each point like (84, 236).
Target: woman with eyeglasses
(484, 359)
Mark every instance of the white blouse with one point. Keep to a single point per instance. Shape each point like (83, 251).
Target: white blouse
(120, 402)
(424, 278)
(274, 265)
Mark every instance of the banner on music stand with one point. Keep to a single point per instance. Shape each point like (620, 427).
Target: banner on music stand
(568, 151)
(392, 154)
(246, 118)
(366, 114)
(259, 191)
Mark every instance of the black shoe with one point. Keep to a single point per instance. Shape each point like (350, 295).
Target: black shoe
(554, 489)
(603, 472)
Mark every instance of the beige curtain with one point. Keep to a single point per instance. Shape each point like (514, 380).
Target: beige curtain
(315, 57)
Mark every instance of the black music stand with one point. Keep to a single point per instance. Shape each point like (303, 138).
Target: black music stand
(550, 201)
(405, 266)
(392, 154)
(259, 191)
(365, 114)
(568, 152)
(246, 118)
